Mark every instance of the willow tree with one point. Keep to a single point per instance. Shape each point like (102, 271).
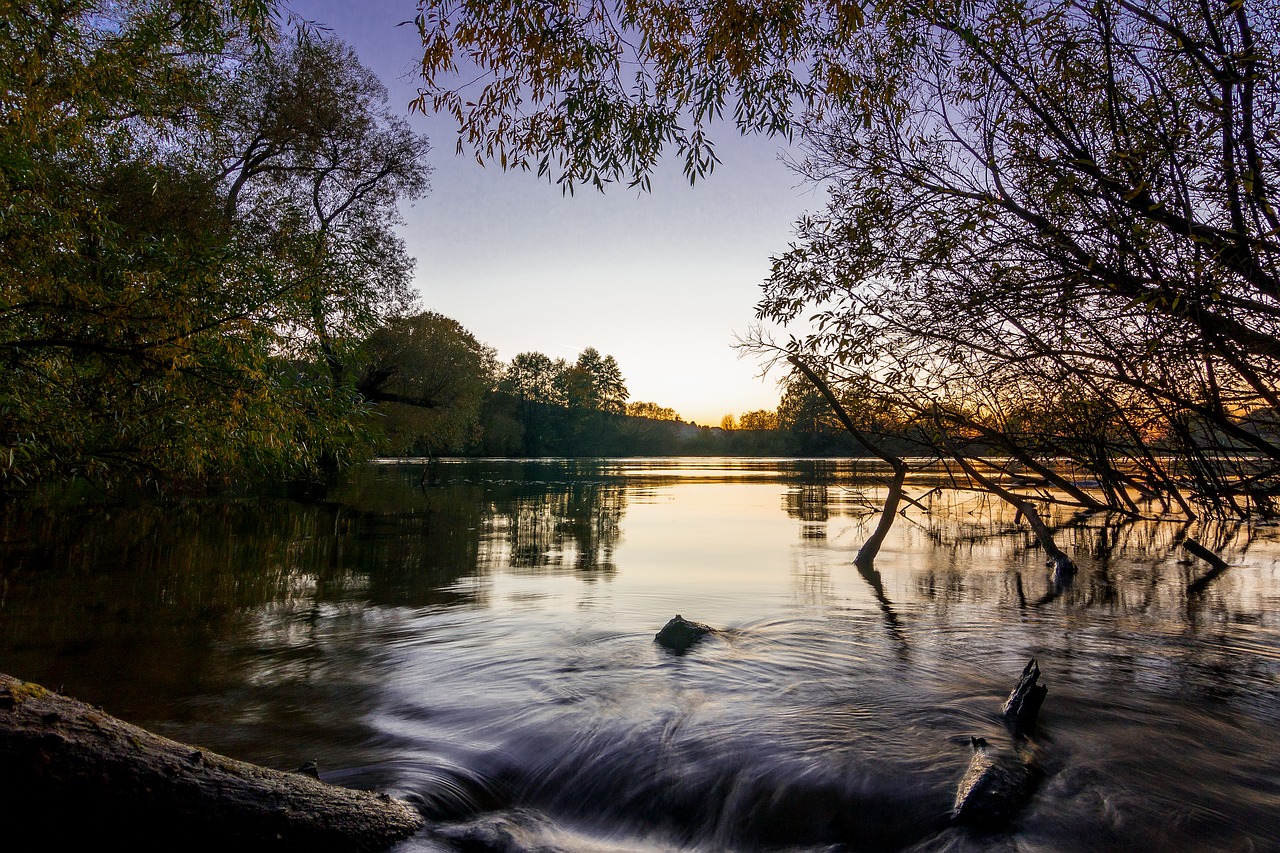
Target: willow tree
(1031, 202)
(1065, 203)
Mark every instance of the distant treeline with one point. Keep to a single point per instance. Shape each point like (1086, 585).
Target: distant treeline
(510, 427)
(538, 406)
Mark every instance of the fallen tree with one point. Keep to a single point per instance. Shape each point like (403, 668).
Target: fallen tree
(72, 771)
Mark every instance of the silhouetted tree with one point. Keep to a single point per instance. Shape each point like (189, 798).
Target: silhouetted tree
(652, 410)
(1023, 197)
(595, 382)
(758, 419)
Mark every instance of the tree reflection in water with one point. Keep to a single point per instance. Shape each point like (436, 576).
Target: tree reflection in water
(570, 527)
(421, 626)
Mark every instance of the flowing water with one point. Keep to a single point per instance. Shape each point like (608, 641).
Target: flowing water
(478, 637)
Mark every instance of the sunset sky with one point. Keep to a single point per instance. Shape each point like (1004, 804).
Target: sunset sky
(661, 281)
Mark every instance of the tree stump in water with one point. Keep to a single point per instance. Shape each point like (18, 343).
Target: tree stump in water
(1022, 708)
(998, 783)
(73, 773)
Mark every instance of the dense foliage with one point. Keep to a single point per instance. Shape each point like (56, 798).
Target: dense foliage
(197, 227)
(428, 378)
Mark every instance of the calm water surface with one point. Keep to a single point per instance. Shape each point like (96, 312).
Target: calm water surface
(477, 637)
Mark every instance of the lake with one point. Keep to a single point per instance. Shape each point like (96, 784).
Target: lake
(477, 636)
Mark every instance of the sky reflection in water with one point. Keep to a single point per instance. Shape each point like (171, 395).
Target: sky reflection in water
(479, 635)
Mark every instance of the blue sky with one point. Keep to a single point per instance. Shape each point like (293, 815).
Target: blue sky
(661, 281)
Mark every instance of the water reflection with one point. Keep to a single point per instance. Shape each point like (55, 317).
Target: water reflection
(479, 635)
(575, 528)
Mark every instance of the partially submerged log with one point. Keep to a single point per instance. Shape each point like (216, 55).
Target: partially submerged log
(71, 771)
(1217, 565)
(999, 782)
(994, 788)
(1022, 708)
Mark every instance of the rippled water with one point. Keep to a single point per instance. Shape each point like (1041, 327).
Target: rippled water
(478, 637)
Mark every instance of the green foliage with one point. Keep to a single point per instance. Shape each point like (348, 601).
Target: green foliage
(428, 377)
(592, 92)
(163, 302)
(534, 377)
(594, 382)
(313, 164)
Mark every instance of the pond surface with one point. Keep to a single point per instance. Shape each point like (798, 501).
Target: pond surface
(477, 636)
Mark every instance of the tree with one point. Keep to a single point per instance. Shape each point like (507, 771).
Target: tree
(123, 299)
(163, 302)
(1076, 199)
(728, 423)
(1024, 196)
(802, 408)
(595, 382)
(313, 165)
(652, 411)
(593, 91)
(758, 419)
(428, 378)
(532, 377)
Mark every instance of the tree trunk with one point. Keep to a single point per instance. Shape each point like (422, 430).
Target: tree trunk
(867, 553)
(1062, 564)
(1217, 565)
(75, 773)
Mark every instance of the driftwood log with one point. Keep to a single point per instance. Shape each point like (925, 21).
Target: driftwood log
(1022, 708)
(995, 787)
(73, 774)
(1000, 781)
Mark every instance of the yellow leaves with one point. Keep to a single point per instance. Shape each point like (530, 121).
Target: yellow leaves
(849, 17)
(1138, 190)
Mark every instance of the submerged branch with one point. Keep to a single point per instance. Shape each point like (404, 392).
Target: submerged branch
(1217, 565)
(1025, 507)
(867, 553)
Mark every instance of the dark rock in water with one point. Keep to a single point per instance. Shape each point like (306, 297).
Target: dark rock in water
(516, 831)
(994, 789)
(1022, 708)
(680, 634)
